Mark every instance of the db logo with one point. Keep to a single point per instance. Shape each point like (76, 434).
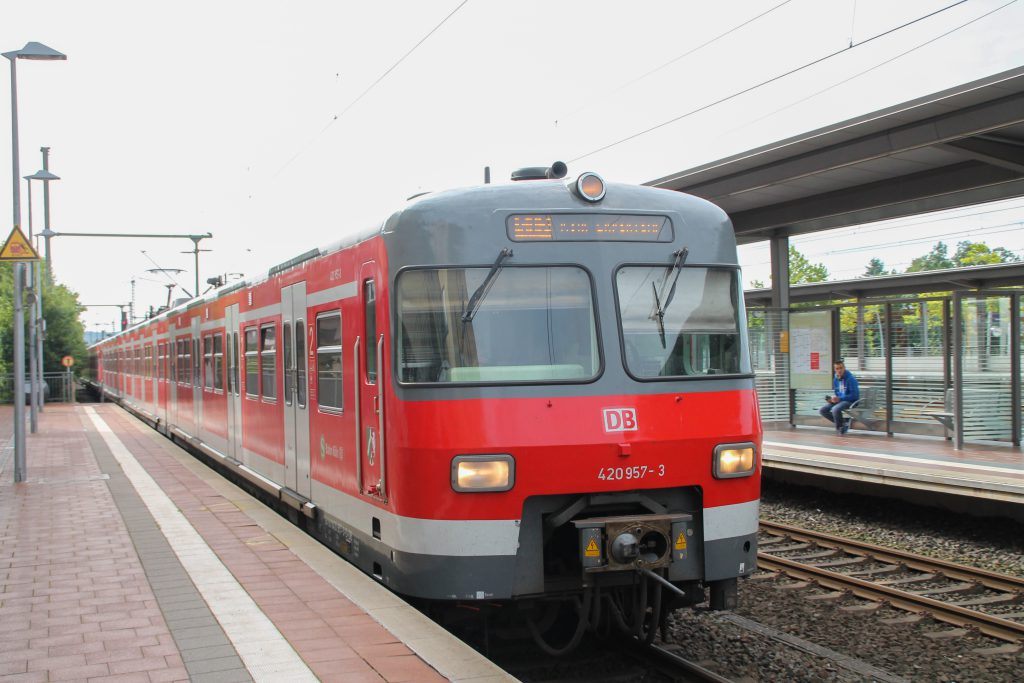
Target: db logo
(620, 420)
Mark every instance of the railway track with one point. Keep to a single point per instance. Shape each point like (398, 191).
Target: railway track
(955, 594)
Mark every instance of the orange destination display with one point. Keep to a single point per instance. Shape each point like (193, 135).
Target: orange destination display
(578, 227)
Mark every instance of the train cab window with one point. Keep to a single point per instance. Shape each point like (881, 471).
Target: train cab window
(300, 363)
(511, 325)
(218, 362)
(370, 299)
(329, 380)
(268, 362)
(208, 362)
(679, 322)
(252, 362)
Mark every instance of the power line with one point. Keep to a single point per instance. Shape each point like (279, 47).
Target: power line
(877, 66)
(363, 94)
(857, 231)
(679, 57)
(770, 80)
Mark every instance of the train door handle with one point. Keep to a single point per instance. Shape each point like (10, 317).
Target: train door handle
(376, 405)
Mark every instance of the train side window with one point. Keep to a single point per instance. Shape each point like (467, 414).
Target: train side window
(197, 364)
(300, 363)
(268, 362)
(173, 374)
(329, 379)
(218, 362)
(235, 353)
(208, 361)
(185, 363)
(252, 362)
(286, 341)
(370, 298)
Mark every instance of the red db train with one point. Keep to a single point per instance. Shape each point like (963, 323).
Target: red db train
(536, 392)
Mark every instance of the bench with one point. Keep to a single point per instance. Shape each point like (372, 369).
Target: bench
(945, 418)
(986, 413)
(863, 410)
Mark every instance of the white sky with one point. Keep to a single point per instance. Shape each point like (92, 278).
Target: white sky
(219, 115)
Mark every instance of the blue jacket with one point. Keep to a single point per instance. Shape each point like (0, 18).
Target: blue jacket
(846, 389)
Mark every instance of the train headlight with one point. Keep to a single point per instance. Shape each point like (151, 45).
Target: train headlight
(590, 186)
(734, 460)
(480, 473)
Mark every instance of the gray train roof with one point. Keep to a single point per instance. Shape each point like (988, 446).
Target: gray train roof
(954, 148)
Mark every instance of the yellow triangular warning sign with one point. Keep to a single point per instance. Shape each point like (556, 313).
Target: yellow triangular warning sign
(681, 541)
(592, 550)
(18, 248)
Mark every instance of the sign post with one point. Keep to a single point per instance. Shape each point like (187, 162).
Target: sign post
(69, 393)
(18, 250)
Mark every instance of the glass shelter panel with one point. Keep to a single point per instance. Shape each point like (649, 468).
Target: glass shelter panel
(985, 355)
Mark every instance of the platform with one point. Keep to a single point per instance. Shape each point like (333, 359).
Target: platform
(989, 476)
(122, 558)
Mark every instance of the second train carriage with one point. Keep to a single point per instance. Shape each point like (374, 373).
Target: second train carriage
(503, 392)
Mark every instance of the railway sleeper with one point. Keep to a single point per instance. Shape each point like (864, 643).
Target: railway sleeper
(844, 562)
(917, 578)
(888, 569)
(816, 555)
(955, 588)
(1001, 599)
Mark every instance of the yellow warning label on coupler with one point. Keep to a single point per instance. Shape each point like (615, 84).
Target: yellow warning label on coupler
(681, 541)
(592, 549)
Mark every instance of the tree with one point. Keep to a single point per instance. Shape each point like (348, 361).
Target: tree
(978, 254)
(936, 259)
(801, 270)
(967, 254)
(65, 334)
(876, 267)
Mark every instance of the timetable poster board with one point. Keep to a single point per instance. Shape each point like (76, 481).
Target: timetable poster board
(810, 350)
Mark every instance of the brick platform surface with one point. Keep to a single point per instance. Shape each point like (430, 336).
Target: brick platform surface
(90, 589)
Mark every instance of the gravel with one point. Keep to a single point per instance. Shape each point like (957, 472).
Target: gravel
(858, 633)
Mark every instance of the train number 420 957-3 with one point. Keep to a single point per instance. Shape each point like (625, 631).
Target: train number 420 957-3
(634, 472)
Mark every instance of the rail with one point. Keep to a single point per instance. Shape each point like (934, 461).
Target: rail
(930, 569)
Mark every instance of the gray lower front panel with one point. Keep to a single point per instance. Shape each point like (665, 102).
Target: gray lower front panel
(728, 558)
(433, 577)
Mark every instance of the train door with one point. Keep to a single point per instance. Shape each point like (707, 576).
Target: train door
(296, 414)
(234, 394)
(197, 378)
(172, 376)
(370, 411)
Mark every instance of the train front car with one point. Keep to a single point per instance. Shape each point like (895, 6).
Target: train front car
(574, 414)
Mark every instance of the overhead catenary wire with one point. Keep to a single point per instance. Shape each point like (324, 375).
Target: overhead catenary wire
(677, 58)
(768, 81)
(876, 66)
(335, 117)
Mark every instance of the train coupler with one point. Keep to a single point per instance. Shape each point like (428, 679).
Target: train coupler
(632, 542)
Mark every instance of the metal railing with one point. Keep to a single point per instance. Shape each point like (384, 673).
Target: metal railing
(58, 387)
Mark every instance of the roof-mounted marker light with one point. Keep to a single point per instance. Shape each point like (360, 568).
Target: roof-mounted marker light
(590, 186)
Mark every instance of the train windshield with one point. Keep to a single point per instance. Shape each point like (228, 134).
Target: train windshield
(528, 324)
(679, 322)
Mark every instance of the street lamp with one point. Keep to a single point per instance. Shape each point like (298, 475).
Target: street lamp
(37, 326)
(40, 52)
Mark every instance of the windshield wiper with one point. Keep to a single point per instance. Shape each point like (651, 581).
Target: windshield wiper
(659, 314)
(659, 308)
(485, 286)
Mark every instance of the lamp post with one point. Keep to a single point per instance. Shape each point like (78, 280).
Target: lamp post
(40, 52)
(38, 328)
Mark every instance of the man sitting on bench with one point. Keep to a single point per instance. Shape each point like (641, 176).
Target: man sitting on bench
(847, 392)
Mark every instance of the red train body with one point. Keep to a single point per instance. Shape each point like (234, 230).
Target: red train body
(503, 392)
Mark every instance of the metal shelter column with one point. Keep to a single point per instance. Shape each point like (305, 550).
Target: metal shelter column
(958, 371)
(779, 247)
